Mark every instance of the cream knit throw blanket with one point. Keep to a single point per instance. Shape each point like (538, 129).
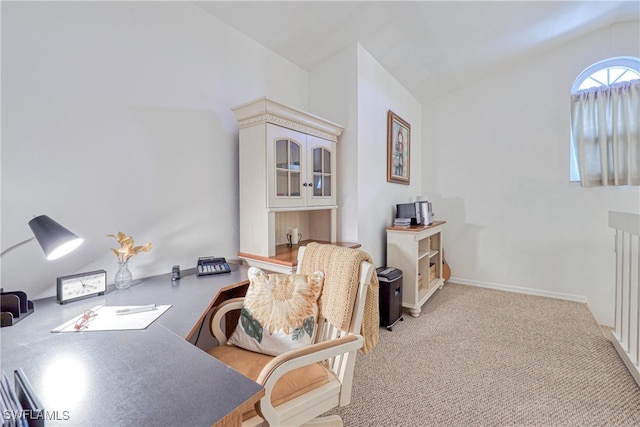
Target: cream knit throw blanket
(341, 267)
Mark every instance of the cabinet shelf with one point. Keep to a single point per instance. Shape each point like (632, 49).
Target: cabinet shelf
(425, 293)
(430, 254)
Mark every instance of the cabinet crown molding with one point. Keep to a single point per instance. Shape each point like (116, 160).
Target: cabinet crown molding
(264, 110)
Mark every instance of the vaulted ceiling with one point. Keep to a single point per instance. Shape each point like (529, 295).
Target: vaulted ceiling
(428, 46)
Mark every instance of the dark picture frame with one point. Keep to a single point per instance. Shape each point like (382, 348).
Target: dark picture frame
(398, 149)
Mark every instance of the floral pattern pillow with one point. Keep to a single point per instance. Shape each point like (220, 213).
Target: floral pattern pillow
(279, 313)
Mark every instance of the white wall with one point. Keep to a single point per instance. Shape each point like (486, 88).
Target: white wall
(332, 95)
(497, 159)
(353, 89)
(117, 116)
(378, 92)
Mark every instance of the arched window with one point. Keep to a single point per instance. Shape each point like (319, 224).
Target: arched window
(603, 74)
(608, 72)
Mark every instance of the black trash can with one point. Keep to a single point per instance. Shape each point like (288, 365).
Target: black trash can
(390, 296)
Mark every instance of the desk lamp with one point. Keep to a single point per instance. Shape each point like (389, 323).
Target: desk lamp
(56, 241)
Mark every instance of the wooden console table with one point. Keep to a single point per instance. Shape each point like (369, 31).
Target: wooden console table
(417, 251)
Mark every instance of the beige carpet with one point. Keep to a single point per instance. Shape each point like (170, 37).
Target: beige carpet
(480, 357)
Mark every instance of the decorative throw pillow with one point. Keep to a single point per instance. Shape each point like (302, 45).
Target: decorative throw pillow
(279, 312)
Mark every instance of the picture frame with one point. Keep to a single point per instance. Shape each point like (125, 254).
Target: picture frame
(398, 149)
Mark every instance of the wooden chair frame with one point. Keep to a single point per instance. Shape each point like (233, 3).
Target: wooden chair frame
(336, 349)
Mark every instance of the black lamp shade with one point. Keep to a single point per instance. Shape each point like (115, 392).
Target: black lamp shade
(55, 240)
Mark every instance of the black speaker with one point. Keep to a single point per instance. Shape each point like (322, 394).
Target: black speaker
(390, 292)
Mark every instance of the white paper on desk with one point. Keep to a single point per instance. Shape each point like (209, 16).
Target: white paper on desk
(106, 319)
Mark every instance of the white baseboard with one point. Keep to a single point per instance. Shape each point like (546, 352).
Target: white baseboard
(518, 289)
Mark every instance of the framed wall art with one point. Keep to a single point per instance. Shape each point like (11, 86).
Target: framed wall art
(398, 149)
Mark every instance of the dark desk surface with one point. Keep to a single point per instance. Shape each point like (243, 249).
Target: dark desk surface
(142, 377)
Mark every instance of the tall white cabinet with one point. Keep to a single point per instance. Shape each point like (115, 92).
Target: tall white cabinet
(287, 181)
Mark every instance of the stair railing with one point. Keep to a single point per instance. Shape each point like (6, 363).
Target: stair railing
(626, 333)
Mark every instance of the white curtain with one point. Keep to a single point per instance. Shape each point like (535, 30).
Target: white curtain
(606, 134)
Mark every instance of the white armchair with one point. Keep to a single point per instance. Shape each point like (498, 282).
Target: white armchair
(302, 384)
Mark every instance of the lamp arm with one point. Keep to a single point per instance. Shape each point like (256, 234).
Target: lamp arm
(3, 253)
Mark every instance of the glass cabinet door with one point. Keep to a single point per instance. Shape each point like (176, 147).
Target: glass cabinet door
(288, 173)
(301, 169)
(321, 172)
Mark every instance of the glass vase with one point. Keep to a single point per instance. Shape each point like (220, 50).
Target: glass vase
(123, 277)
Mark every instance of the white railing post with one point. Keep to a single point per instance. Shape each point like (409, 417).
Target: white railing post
(626, 332)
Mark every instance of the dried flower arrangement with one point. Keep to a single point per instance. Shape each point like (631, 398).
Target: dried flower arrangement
(127, 248)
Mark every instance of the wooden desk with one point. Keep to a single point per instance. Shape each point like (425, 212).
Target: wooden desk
(286, 258)
(142, 377)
